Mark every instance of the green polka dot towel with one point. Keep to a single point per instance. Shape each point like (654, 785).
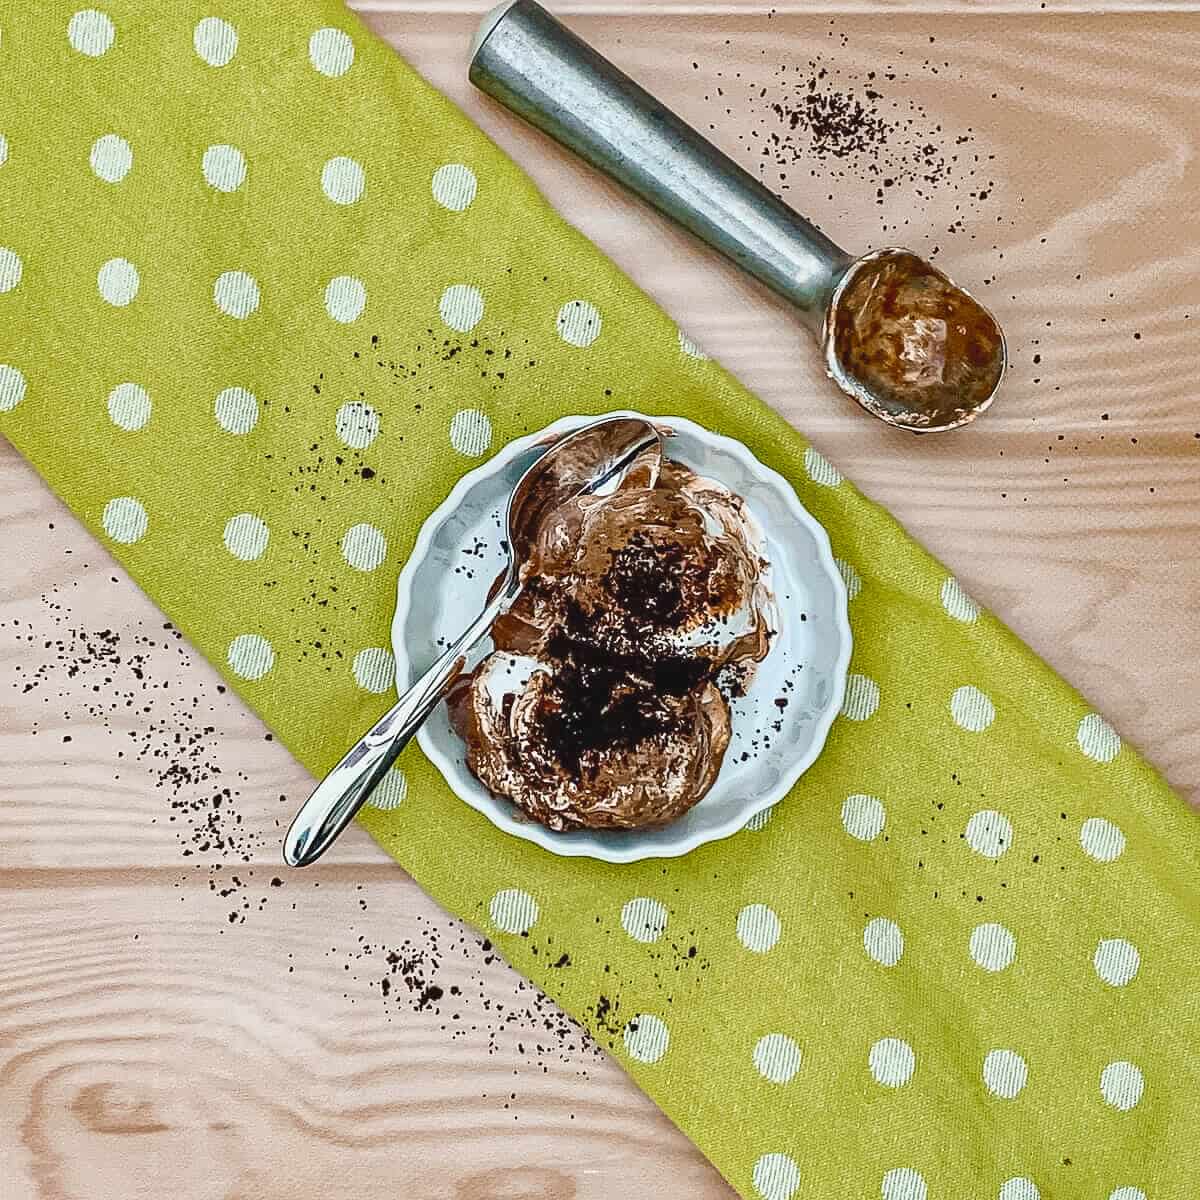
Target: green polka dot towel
(264, 296)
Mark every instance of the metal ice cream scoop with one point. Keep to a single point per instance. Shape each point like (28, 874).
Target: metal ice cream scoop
(593, 460)
(897, 335)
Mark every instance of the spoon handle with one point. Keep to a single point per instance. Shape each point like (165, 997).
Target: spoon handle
(343, 791)
(539, 69)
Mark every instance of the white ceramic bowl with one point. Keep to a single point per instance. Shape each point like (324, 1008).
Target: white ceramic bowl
(458, 554)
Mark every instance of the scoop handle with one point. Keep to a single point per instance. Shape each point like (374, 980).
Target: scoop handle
(539, 69)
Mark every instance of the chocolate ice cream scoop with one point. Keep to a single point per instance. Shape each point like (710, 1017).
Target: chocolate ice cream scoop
(900, 337)
(605, 702)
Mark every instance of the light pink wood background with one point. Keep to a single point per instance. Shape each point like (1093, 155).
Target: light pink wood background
(150, 1048)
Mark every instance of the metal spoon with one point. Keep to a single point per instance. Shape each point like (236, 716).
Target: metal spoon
(593, 460)
(934, 365)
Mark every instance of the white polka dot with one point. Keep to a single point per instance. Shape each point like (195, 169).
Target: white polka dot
(1127, 1193)
(820, 469)
(646, 1038)
(357, 424)
(111, 158)
(883, 941)
(644, 919)
(236, 410)
(91, 32)
(513, 911)
(861, 698)
(758, 928)
(364, 547)
(3, 149)
(989, 833)
(1116, 961)
(374, 669)
(390, 792)
(1019, 1188)
(1101, 839)
(343, 180)
(863, 817)
(470, 432)
(1121, 1085)
(11, 269)
(776, 1057)
(331, 51)
(246, 536)
(129, 407)
(903, 1183)
(992, 946)
(125, 520)
(776, 1177)
(1004, 1073)
(578, 323)
(118, 281)
(250, 656)
(345, 298)
(760, 819)
(691, 348)
(216, 41)
(1098, 739)
(957, 603)
(236, 294)
(461, 307)
(224, 167)
(892, 1062)
(971, 709)
(12, 387)
(454, 186)
(850, 577)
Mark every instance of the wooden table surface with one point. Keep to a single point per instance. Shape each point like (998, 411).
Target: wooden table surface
(180, 1017)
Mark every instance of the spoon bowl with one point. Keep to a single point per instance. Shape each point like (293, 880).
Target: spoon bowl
(594, 460)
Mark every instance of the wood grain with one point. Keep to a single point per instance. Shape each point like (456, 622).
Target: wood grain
(144, 1055)
(149, 1045)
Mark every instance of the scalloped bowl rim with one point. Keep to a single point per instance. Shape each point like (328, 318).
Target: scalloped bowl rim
(538, 834)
